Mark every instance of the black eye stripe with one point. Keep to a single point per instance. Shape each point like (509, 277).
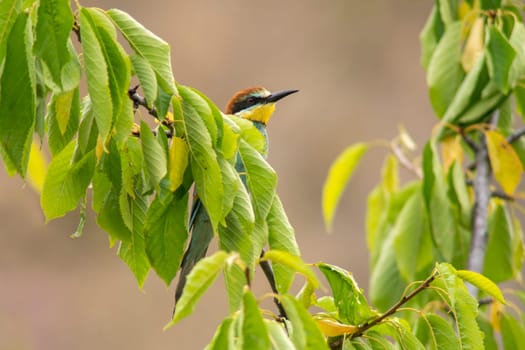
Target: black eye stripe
(246, 103)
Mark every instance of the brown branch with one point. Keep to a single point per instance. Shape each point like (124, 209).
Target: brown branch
(76, 29)
(141, 101)
(404, 299)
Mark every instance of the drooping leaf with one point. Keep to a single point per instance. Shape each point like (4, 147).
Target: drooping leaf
(133, 251)
(499, 257)
(149, 46)
(224, 338)
(63, 119)
(512, 331)
(254, 334)
(204, 165)
(504, 161)
(53, 28)
(166, 232)
(442, 335)
(97, 74)
(178, 162)
(412, 243)
(260, 179)
(17, 96)
(338, 176)
(500, 54)
(305, 333)
(281, 237)
(155, 162)
(66, 182)
(430, 36)
(474, 45)
(9, 10)
(147, 78)
(444, 74)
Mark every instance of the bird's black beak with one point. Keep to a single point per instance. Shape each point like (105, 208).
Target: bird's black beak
(276, 96)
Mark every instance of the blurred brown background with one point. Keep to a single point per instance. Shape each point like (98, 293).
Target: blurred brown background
(357, 66)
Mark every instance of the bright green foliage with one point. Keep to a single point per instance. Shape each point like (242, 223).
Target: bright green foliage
(475, 65)
(141, 180)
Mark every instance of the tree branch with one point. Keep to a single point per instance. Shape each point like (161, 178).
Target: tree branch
(482, 195)
(514, 137)
(141, 101)
(268, 272)
(404, 299)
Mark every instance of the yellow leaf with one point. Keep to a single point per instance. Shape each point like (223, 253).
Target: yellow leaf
(451, 151)
(178, 161)
(474, 45)
(332, 328)
(505, 163)
(340, 172)
(37, 168)
(63, 109)
(495, 311)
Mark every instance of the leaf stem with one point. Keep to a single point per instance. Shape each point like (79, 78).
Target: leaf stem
(268, 272)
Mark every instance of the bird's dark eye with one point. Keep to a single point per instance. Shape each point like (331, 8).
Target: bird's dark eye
(250, 100)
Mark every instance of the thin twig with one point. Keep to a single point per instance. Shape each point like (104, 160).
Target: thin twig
(141, 101)
(268, 272)
(404, 299)
(515, 137)
(502, 195)
(76, 29)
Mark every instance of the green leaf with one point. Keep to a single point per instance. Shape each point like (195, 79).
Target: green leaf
(133, 251)
(444, 72)
(97, 75)
(349, 299)
(412, 242)
(517, 40)
(499, 257)
(198, 105)
(305, 333)
(254, 334)
(9, 10)
(442, 335)
(235, 234)
(489, 340)
(204, 165)
(166, 233)
(439, 210)
(281, 237)
(278, 336)
(155, 162)
(224, 336)
(482, 283)
(147, 78)
(199, 280)
(512, 332)
(462, 305)
(294, 262)
(17, 96)
(63, 119)
(430, 36)
(53, 28)
(260, 179)
(500, 54)
(338, 176)
(468, 93)
(66, 182)
(147, 45)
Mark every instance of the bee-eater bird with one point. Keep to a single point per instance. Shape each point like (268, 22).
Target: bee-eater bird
(257, 105)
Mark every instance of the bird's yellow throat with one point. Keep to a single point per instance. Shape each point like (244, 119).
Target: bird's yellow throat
(261, 113)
